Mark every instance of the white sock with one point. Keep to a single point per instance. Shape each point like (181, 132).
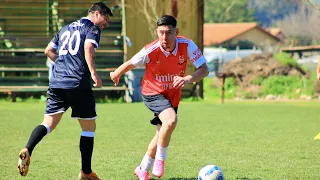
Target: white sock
(146, 163)
(48, 128)
(161, 153)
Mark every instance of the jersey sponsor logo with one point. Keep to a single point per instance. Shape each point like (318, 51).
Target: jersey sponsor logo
(76, 23)
(196, 55)
(95, 31)
(166, 86)
(165, 78)
(181, 73)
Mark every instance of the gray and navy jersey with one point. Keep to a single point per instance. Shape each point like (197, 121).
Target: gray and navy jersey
(70, 69)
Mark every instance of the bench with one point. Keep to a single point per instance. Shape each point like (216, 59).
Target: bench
(27, 72)
(38, 81)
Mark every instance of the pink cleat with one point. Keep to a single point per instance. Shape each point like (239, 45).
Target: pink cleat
(158, 168)
(141, 175)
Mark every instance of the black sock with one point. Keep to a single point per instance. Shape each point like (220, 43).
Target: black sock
(37, 134)
(86, 148)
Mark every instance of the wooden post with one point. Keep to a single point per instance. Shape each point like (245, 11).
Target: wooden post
(223, 79)
(14, 97)
(200, 36)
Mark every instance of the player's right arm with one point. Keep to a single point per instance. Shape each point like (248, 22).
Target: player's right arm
(140, 59)
(125, 67)
(50, 50)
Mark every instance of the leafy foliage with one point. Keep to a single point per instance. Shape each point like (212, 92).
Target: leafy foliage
(281, 85)
(227, 11)
(212, 88)
(285, 58)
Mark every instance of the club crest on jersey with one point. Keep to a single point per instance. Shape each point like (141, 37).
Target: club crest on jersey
(157, 61)
(181, 59)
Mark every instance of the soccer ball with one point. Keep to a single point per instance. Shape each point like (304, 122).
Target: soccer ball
(210, 172)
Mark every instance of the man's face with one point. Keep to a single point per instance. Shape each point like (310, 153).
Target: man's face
(167, 36)
(101, 20)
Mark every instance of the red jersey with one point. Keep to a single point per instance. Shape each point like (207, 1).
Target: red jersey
(163, 66)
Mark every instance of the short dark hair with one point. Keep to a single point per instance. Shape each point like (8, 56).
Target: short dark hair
(167, 20)
(101, 7)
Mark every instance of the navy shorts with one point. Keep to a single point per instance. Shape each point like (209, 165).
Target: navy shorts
(81, 101)
(157, 104)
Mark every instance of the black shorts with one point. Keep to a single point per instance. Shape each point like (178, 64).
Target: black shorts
(157, 104)
(81, 101)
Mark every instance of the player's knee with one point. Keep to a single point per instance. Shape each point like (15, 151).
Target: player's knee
(88, 125)
(89, 128)
(171, 121)
(51, 121)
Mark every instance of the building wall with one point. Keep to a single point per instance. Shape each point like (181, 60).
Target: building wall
(137, 28)
(258, 37)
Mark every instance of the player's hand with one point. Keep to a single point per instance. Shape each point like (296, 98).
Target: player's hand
(114, 78)
(318, 76)
(97, 80)
(179, 82)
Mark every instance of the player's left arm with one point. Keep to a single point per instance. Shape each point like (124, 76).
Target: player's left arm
(50, 52)
(198, 60)
(199, 74)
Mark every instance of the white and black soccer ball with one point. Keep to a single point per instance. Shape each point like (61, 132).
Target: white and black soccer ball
(210, 172)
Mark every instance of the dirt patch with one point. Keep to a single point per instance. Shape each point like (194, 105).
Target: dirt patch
(255, 66)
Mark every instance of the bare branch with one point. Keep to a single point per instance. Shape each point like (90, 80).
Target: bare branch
(154, 4)
(150, 10)
(230, 7)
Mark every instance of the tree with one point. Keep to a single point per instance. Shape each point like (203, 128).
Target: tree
(216, 11)
(313, 4)
(268, 11)
(297, 19)
(302, 27)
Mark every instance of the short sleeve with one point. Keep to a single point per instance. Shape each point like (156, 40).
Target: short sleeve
(55, 41)
(93, 35)
(141, 58)
(195, 55)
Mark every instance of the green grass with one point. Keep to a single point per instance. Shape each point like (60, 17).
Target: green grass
(248, 140)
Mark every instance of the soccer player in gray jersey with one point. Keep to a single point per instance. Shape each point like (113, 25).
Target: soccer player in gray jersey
(73, 50)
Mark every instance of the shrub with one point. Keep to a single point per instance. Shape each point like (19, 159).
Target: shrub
(285, 58)
(212, 88)
(282, 85)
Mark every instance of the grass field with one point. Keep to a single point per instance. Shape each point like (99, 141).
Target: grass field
(248, 140)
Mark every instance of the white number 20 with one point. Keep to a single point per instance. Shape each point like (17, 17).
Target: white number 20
(67, 40)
